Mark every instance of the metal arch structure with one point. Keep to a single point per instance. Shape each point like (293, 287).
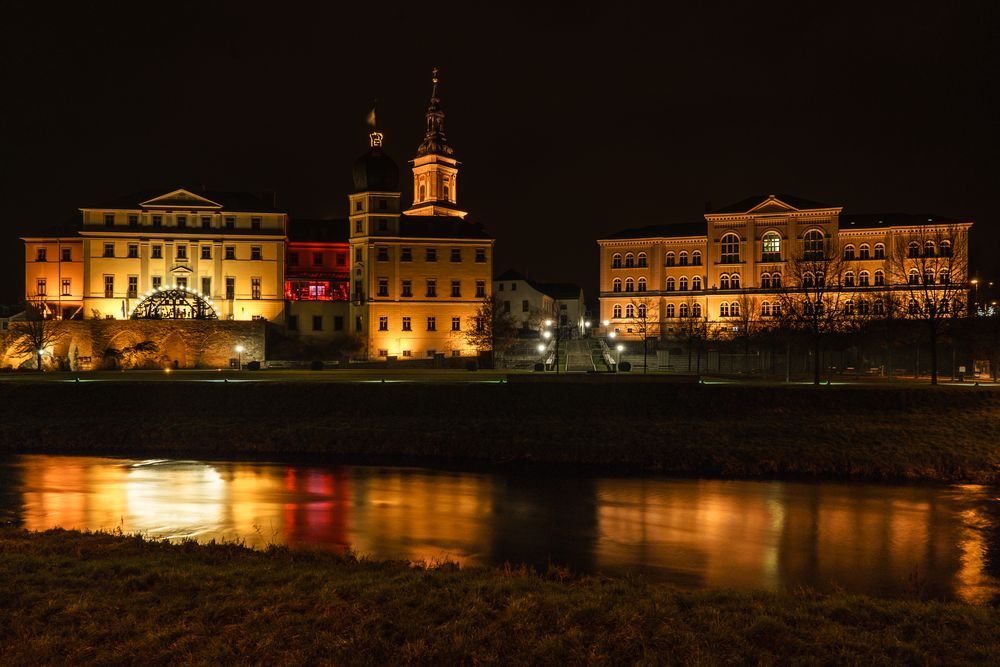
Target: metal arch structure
(175, 303)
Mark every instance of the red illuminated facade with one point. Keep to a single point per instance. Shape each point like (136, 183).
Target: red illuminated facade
(318, 266)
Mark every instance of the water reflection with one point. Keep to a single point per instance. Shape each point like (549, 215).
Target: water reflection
(886, 540)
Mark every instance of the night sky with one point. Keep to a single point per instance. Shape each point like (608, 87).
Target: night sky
(571, 124)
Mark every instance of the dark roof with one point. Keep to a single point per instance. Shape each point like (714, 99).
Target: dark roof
(440, 226)
(511, 274)
(70, 227)
(661, 231)
(750, 202)
(375, 172)
(318, 231)
(237, 202)
(554, 290)
(876, 220)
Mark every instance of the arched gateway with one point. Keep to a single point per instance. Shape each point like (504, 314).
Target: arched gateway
(174, 303)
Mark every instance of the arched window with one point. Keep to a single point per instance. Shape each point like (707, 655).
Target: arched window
(629, 285)
(819, 307)
(723, 309)
(630, 310)
(696, 258)
(642, 259)
(729, 248)
(616, 285)
(642, 311)
(879, 251)
(616, 312)
(929, 249)
(864, 279)
(734, 309)
(848, 307)
(684, 258)
(808, 280)
(849, 279)
(944, 306)
(913, 307)
(423, 192)
(879, 278)
(696, 283)
(807, 308)
(642, 284)
(776, 309)
(820, 279)
(775, 280)
(865, 251)
(670, 284)
(696, 310)
(928, 276)
(724, 281)
(616, 261)
(864, 307)
(849, 252)
(879, 307)
(913, 250)
(734, 281)
(670, 310)
(812, 245)
(914, 277)
(684, 310)
(629, 260)
(944, 276)
(771, 247)
(670, 258)
(683, 283)
(765, 308)
(945, 248)
(765, 281)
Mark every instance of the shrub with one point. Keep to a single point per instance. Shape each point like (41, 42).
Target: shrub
(316, 365)
(539, 366)
(253, 366)
(625, 367)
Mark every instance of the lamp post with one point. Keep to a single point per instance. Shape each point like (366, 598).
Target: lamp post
(239, 353)
(975, 296)
(618, 361)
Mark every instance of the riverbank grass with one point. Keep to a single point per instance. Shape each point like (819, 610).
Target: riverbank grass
(98, 598)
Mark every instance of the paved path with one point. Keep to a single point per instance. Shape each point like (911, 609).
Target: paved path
(578, 357)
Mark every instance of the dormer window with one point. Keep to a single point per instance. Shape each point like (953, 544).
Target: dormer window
(109, 219)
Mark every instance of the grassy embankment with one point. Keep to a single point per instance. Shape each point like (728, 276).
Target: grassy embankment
(74, 598)
(845, 432)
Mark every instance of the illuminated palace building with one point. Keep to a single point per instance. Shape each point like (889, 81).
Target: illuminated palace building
(755, 254)
(408, 283)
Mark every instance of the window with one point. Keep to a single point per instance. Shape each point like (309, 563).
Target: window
(912, 307)
(629, 285)
(914, 277)
(383, 224)
(734, 309)
(423, 192)
(879, 307)
(230, 252)
(696, 283)
(670, 284)
(683, 283)
(616, 312)
(865, 251)
(848, 307)
(230, 287)
(641, 311)
(109, 287)
(820, 279)
(341, 259)
(616, 284)
(293, 322)
(133, 220)
(616, 261)
(206, 252)
(879, 279)
(812, 245)
(642, 284)
(729, 247)
(808, 280)
(157, 281)
(513, 287)
(157, 221)
(849, 279)
(765, 281)
(629, 261)
(182, 252)
(480, 289)
(338, 322)
(157, 251)
(683, 310)
(182, 282)
(206, 286)
(670, 258)
(670, 310)
(431, 255)
(929, 250)
(849, 252)
(724, 309)
(456, 254)
(40, 287)
(133, 287)
(383, 352)
(864, 307)
(206, 222)
(913, 250)
(317, 259)
(382, 254)
(456, 288)
(696, 310)
(359, 226)
(432, 324)
(724, 281)
(629, 311)
(40, 255)
(109, 219)
(864, 279)
(255, 288)
(255, 252)
(945, 248)
(456, 324)
(67, 255)
(765, 309)
(182, 221)
(66, 287)
(406, 254)
(358, 255)
(776, 310)
(481, 255)
(109, 249)
(879, 251)
(928, 277)
(317, 322)
(683, 258)
(775, 280)
(383, 287)
(255, 225)
(406, 289)
(771, 247)
(383, 324)
(358, 206)
(696, 258)
(431, 287)
(642, 259)
(525, 307)
(734, 281)
(944, 276)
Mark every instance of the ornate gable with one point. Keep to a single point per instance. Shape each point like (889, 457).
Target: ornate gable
(180, 198)
(772, 205)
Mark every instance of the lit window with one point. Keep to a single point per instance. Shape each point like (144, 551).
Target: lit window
(771, 247)
(41, 287)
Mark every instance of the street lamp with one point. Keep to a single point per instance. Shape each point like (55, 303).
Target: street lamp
(620, 348)
(239, 353)
(975, 296)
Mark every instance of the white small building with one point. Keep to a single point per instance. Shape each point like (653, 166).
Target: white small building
(531, 302)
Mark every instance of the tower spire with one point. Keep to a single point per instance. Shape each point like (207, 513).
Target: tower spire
(434, 140)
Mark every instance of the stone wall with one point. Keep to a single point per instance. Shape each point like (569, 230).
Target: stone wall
(180, 343)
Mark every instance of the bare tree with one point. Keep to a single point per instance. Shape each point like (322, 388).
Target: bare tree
(931, 263)
(645, 319)
(492, 330)
(696, 331)
(35, 333)
(748, 324)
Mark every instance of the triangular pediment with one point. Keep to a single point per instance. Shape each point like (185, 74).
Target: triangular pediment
(181, 270)
(180, 198)
(772, 205)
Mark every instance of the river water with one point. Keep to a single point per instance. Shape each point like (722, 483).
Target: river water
(938, 542)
